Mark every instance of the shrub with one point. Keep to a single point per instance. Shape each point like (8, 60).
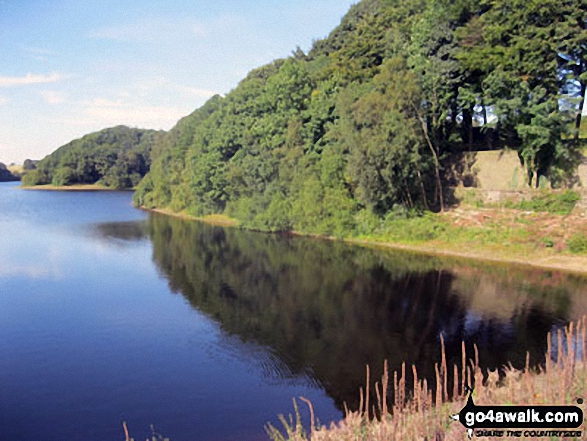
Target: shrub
(578, 243)
(414, 228)
(556, 203)
(547, 242)
(367, 222)
(63, 176)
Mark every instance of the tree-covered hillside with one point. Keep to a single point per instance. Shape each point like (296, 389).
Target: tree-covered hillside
(6, 175)
(118, 157)
(365, 124)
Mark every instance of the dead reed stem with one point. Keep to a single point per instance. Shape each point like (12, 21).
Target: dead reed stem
(126, 434)
(423, 413)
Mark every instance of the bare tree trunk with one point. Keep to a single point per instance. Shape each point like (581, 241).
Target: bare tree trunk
(435, 156)
(467, 128)
(533, 180)
(410, 201)
(471, 112)
(484, 112)
(580, 114)
(422, 189)
(488, 133)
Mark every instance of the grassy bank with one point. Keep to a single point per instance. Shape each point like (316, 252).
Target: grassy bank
(213, 219)
(16, 169)
(424, 411)
(541, 239)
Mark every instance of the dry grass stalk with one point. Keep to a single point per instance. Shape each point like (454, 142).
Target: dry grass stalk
(126, 434)
(424, 414)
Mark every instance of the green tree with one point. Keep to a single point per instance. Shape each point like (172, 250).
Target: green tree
(117, 157)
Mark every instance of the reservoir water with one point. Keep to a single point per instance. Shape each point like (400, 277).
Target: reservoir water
(196, 332)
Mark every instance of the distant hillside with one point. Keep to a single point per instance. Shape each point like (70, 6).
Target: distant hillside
(117, 157)
(6, 175)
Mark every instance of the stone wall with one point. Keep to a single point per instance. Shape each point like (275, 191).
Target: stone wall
(497, 177)
(583, 174)
(497, 170)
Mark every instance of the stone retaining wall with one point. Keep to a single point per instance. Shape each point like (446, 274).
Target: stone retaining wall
(497, 170)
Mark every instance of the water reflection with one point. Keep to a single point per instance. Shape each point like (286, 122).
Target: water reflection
(326, 309)
(122, 232)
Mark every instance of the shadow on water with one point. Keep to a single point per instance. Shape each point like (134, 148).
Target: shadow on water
(122, 232)
(326, 309)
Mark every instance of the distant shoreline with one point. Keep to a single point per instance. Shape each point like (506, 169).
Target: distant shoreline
(78, 187)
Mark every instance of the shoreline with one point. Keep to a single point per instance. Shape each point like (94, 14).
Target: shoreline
(213, 219)
(560, 262)
(567, 263)
(77, 187)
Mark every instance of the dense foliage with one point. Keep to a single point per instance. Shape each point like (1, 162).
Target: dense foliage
(29, 164)
(118, 157)
(364, 124)
(6, 175)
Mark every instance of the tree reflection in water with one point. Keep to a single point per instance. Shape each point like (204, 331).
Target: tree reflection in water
(326, 309)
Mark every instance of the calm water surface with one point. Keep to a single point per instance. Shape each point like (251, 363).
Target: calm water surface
(110, 314)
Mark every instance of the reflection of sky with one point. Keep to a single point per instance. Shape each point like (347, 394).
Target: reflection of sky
(488, 331)
(576, 343)
(472, 322)
(25, 252)
(51, 252)
(90, 334)
(40, 230)
(65, 209)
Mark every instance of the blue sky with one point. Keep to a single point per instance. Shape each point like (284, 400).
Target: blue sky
(71, 67)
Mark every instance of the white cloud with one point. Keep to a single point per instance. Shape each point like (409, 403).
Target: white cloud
(161, 83)
(103, 102)
(29, 271)
(104, 112)
(195, 91)
(53, 97)
(153, 30)
(40, 54)
(149, 30)
(199, 30)
(3, 100)
(40, 51)
(30, 78)
(128, 32)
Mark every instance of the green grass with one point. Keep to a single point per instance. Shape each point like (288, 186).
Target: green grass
(433, 227)
(549, 202)
(498, 234)
(578, 243)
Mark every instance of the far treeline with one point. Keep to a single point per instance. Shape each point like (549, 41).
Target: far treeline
(118, 157)
(6, 175)
(364, 125)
